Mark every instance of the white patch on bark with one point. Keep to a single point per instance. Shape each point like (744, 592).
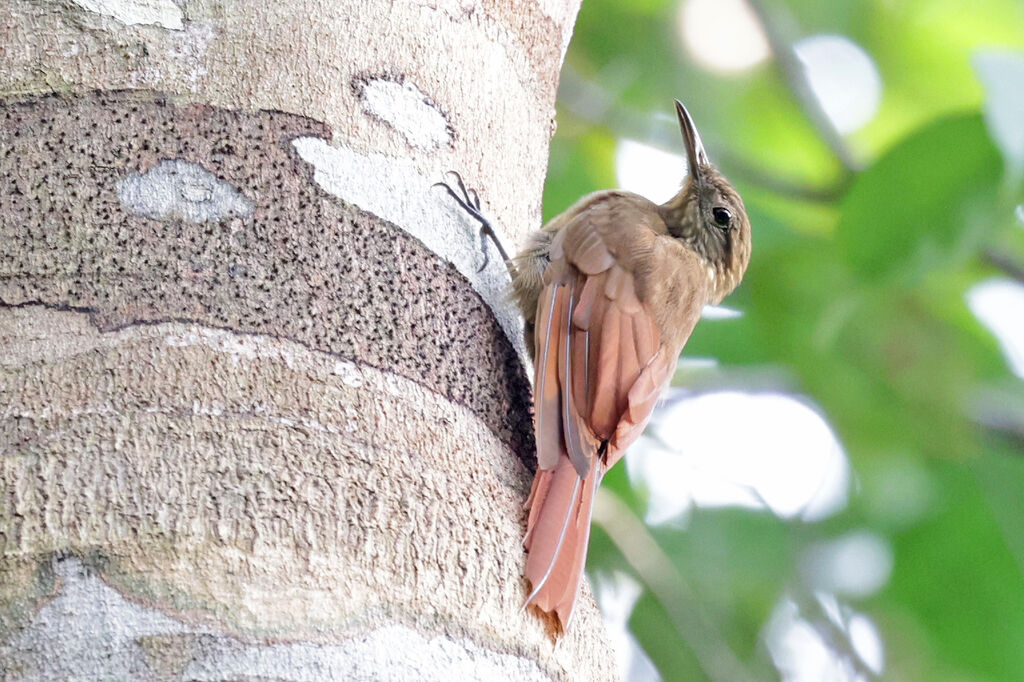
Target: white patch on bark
(396, 191)
(408, 110)
(188, 51)
(179, 189)
(89, 631)
(151, 12)
(349, 372)
(238, 346)
(389, 654)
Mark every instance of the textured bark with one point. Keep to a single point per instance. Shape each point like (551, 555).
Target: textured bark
(260, 416)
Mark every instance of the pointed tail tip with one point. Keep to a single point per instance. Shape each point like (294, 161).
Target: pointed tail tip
(556, 623)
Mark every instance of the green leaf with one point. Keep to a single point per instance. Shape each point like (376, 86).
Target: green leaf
(914, 206)
(957, 577)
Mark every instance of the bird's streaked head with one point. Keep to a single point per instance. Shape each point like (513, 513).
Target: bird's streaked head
(708, 213)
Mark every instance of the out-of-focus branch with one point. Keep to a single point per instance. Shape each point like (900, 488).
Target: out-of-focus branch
(794, 75)
(836, 636)
(1003, 426)
(1010, 267)
(656, 570)
(1014, 437)
(1001, 413)
(742, 170)
(589, 102)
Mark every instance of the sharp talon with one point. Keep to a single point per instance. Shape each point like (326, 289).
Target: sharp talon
(447, 188)
(462, 185)
(459, 200)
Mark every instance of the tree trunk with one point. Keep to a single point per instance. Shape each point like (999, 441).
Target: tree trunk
(260, 417)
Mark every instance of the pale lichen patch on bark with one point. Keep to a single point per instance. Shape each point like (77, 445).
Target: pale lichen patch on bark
(395, 190)
(402, 105)
(349, 373)
(178, 189)
(238, 346)
(93, 632)
(392, 653)
(89, 630)
(163, 13)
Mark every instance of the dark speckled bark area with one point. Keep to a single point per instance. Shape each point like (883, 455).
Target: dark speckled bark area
(303, 266)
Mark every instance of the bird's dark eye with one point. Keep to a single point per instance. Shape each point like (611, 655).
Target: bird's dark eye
(722, 216)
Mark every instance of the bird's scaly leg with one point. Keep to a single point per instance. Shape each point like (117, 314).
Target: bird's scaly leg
(469, 200)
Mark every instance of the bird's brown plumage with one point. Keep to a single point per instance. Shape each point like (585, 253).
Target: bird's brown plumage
(611, 290)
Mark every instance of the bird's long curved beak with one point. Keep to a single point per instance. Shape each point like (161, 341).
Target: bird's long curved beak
(695, 154)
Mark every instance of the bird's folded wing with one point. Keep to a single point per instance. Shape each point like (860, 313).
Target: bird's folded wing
(600, 365)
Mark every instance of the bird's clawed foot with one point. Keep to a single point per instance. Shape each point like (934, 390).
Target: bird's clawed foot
(469, 200)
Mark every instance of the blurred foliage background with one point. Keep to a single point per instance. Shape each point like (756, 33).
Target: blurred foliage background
(871, 236)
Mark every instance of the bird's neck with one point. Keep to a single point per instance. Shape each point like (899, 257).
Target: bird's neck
(680, 215)
(682, 219)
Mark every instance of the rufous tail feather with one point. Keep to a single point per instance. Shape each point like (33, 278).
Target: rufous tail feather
(557, 534)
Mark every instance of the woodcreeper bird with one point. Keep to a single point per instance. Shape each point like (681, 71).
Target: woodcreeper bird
(610, 290)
